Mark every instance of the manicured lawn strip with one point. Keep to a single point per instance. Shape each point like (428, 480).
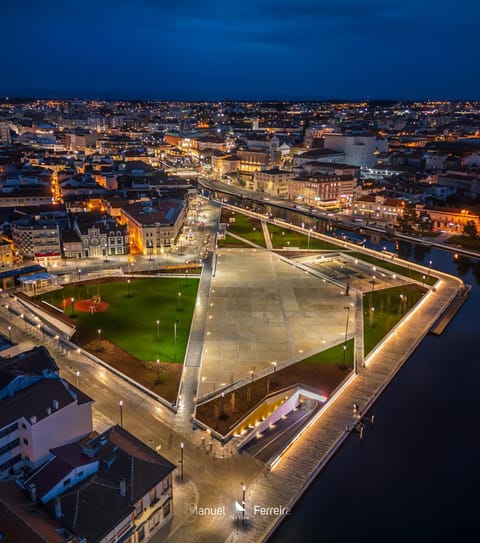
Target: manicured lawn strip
(245, 227)
(130, 320)
(231, 242)
(396, 268)
(389, 308)
(280, 237)
(334, 355)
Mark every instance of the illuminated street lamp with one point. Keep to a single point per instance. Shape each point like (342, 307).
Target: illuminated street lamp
(99, 332)
(181, 461)
(158, 370)
(244, 488)
(10, 333)
(373, 283)
(274, 364)
(158, 329)
(347, 308)
(429, 268)
(77, 373)
(121, 413)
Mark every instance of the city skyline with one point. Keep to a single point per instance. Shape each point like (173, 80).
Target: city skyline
(265, 50)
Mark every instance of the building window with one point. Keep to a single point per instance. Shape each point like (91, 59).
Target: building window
(166, 509)
(25, 441)
(141, 533)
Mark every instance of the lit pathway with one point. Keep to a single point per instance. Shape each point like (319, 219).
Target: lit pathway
(309, 454)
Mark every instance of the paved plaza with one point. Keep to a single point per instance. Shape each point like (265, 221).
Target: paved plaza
(263, 309)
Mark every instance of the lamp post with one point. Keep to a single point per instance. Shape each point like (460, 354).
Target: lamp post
(222, 412)
(429, 268)
(347, 308)
(423, 280)
(158, 370)
(244, 489)
(274, 364)
(106, 253)
(373, 283)
(175, 340)
(158, 330)
(121, 413)
(308, 238)
(77, 373)
(128, 288)
(99, 332)
(181, 461)
(10, 333)
(73, 306)
(179, 296)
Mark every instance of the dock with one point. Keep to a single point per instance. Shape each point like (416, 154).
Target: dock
(444, 319)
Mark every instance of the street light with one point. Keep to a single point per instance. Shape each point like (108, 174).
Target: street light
(179, 296)
(77, 373)
(373, 283)
(423, 280)
(429, 268)
(121, 413)
(158, 329)
(10, 333)
(73, 306)
(308, 238)
(181, 461)
(99, 332)
(274, 364)
(244, 488)
(175, 340)
(347, 308)
(128, 288)
(158, 370)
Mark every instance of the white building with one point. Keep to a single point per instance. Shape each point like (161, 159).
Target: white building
(359, 150)
(38, 410)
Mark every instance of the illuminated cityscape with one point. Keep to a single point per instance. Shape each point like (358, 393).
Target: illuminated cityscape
(236, 306)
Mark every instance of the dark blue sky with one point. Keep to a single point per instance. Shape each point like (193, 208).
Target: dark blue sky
(252, 49)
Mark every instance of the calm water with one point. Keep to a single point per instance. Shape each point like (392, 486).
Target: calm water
(415, 476)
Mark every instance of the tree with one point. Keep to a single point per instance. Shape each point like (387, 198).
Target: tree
(470, 229)
(425, 222)
(408, 220)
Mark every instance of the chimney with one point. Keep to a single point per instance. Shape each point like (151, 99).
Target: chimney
(32, 491)
(49, 410)
(33, 419)
(55, 404)
(123, 487)
(58, 508)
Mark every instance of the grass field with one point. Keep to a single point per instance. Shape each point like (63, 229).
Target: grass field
(244, 226)
(131, 318)
(282, 237)
(382, 310)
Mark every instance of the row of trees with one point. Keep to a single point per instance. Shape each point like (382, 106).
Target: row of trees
(413, 221)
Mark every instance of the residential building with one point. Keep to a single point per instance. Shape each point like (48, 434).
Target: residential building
(376, 208)
(323, 190)
(37, 239)
(273, 182)
(317, 155)
(38, 411)
(6, 253)
(466, 184)
(155, 224)
(111, 468)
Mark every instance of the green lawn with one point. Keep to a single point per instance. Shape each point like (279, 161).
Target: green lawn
(382, 310)
(396, 268)
(282, 237)
(245, 227)
(131, 318)
(334, 355)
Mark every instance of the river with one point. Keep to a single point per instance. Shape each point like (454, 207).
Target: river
(415, 474)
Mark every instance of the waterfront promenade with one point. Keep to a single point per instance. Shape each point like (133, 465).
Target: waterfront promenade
(214, 474)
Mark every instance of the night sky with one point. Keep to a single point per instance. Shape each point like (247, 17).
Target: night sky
(241, 49)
